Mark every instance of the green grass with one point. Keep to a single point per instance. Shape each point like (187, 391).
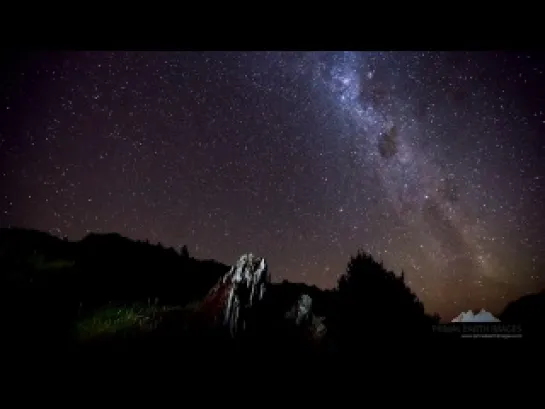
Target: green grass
(122, 319)
(57, 264)
(39, 262)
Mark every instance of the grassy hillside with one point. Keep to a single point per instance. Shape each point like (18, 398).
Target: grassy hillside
(51, 283)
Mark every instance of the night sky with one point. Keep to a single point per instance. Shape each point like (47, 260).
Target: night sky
(430, 161)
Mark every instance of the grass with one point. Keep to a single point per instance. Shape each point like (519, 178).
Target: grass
(122, 319)
(57, 264)
(39, 262)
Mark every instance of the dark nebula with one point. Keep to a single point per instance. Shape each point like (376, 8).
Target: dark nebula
(387, 144)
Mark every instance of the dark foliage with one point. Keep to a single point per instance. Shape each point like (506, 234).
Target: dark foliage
(112, 267)
(528, 311)
(372, 303)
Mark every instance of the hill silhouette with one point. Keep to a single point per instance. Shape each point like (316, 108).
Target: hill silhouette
(106, 288)
(528, 311)
(50, 283)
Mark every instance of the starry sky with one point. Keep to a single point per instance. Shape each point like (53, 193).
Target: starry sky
(430, 161)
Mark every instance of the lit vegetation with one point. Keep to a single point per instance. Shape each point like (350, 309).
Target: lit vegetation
(122, 319)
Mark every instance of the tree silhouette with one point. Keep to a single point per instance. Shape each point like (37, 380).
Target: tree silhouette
(373, 303)
(528, 311)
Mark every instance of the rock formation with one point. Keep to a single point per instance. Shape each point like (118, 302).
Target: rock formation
(237, 293)
(233, 300)
(301, 313)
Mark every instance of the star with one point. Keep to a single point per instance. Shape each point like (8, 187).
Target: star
(430, 161)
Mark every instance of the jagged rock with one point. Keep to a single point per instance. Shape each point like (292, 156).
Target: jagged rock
(318, 328)
(302, 310)
(301, 313)
(238, 292)
(213, 305)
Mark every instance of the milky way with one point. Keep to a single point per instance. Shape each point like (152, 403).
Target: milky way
(432, 162)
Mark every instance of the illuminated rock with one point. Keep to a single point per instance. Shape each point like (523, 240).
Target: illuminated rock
(237, 293)
(301, 313)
